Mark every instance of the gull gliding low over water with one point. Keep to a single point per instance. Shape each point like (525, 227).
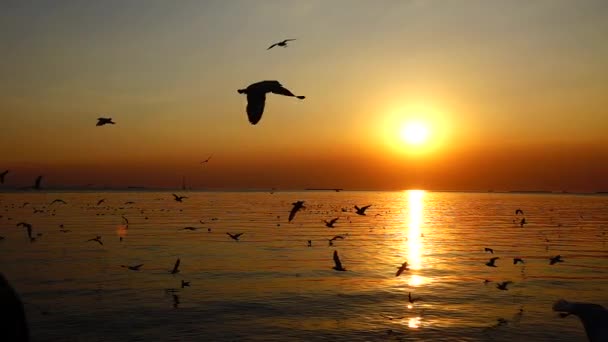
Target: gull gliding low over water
(104, 121)
(338, 264)
(282, 43)
(256, 97)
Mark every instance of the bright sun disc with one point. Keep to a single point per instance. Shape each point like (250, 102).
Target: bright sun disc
(414, 133)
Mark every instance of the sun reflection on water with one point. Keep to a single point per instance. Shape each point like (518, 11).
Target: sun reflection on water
(414, 240)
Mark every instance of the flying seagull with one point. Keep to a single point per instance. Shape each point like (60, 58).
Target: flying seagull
(207, 160)
(492, 261)
(185, 283)
(401, 269)
(58, 201)
(132, 268)
(410, 299)
(555, 259)
(361, 211)
(296, 206)
(338, 266)
(488, 250)
(503, 285)
(179, 198)
(97, 239)
(281, 43)
(593, 316)
(516, 260)
(330, 223)
(235, 237)
(519, 211)
(175, 267)
(101, 201)
(256, 97)
(104, 121)
(189, 228)
(2, 175)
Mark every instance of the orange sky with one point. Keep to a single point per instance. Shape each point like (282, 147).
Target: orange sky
(513, 94)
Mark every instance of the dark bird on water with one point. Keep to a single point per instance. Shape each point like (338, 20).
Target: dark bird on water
(338, 266)
(593, 316)
(492, 261)
(296, 206)
(337, 237)
(256, 97)
(235, 237)
(281, 43)
(96, 239)
(503, 285)
(519, 211)
(189, 228)
(175, 267)
(185, 283)
(516, 260)
(178, 198)
(401, 269)
(330, 223)
(554, 260)
(2, 175)
(132, 268)
(410, 299)
(58, 201)
(522, 222)
(488, 250)
(361, 211)
(37, 182)
(104, 121)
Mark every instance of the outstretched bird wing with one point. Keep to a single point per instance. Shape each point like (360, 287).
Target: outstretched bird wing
(281, 91)
(2, 176)
(337, 260)
(176, 266)
(37, 183)
(273, 45)
(255, 106)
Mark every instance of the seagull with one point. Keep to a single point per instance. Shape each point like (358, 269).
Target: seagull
(101, 201)
(256, 97)
(207, 160)
(179, 198)
(2, 175)
(519, 211)
(97, 239)
(338, 266)
(522, 222)
(185, 283)
(361, 211)
(125, 220)
(235, 237)
(104, 121)
(281, 43)
(132, 268)
(29, 229)
(58, 201)
(189, 228)
(516, 260)
(491, 262)
(503, 285)
(331, 222)
(410, 299)
(401, 269)
(309, 243)
(555, 259)
(37, 182)
(593, 316)
(296, 206)
(337, 237)
(488, 250)
(175, 267)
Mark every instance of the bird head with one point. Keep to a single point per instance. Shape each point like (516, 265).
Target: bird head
(242, 91)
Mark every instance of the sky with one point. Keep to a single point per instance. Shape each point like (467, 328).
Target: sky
(512, 94)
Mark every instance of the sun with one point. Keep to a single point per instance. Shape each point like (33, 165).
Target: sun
(414, 133)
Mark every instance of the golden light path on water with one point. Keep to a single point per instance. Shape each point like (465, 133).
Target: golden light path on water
(415, 205)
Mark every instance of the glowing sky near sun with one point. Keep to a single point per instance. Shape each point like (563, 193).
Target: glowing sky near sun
(511, 94)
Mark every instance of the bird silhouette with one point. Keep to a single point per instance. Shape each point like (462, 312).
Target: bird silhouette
(516, 260)
(178, 198)
(2, 175)
(522, 222)
(104, 121)
(554, 260)
(330, 223)
(101, 201)
(503, 285)
(189, 228)
(338, 266)
(361, 211)
(281, 43)
(337, 237)
(309, 243)
(58, 201)
(29, 229)
(412, 300)
(492, 261)
(132, 268)
(175, 267)
(185, 283)
(96, 239)
(488, 250)
(401, 269)
(296, 206)
(235, 237)
(37, 183)
(256, 97)
(519, 211)
(207, 160)
(593, 316)
(125, 220)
